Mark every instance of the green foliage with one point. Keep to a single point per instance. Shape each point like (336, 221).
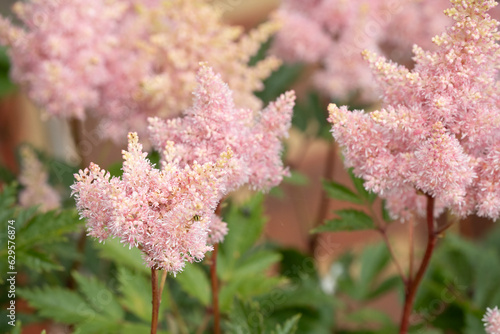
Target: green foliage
(279, 82)
(310, 116)
(350, 220)
(340, 192)
(36, 234)
(195, 282)
(96, 307)
(371, 282)
(247, 318)
(6, 85)
(462, 281)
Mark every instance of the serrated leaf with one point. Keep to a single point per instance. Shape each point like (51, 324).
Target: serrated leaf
(340, 192)
(60, 304)
(100, 325)
(289, 327)
(47, 228)
(136, 293)
(246, 287)
(39, 262)
(350, 220)
(99, 297)
(115, 251)
(245, 318)
(195, 283)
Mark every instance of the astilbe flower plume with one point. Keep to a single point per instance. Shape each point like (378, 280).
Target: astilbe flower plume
(126, 60)
(333, 33)
(439, 129)
(34, 179)
(213, 124)
(492, 321)
(166, 213)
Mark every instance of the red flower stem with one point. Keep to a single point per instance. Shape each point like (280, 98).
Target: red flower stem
(156, 300)
(413, 284)
(215, 289)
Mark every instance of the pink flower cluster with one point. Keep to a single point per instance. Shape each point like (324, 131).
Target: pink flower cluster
(214, 123)
(126, 60)
(34, 179)
(334, 32)
(492, 321)
(213, 149)
(438, 132)
(166, 213)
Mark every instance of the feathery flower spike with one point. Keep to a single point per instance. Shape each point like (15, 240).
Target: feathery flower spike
(166, 213)
(34, 178)
(439, 126)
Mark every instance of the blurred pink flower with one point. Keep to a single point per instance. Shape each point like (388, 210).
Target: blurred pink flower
(166, 213)
(439, 128)
(335, 32)
(34, 179)
(492, 321)
(125, 60)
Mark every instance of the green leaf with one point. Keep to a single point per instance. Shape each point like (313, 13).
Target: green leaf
(359, 185)
(115, 251)
(99, 296)
(338, 191)
(137, 328)
(374, 259)
(246, 287)
(17, 328)
(100, 325)
(6, 176)
(115, 169)
(385, 213)
(47, 228)
(245, 225)
(136, 293)
(245, 318)
(60, 304)
(279, 81)
(195, 283)
(255, 263)
(384, 287)
(350, 220)
(289, 327)
(369, 315)
(39, 262)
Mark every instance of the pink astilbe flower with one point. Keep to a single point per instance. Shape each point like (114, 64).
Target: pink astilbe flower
(333, 33)
(439, 127)
(214, 123)
(34, 178)
(126, 60)
(166, 213)
(492, 321)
